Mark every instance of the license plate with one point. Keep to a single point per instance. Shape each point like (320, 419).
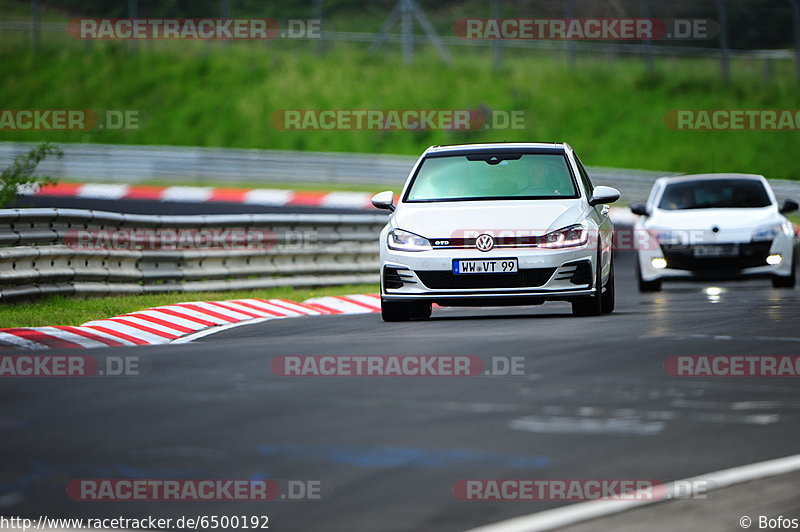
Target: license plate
(485, 266)
(717, 251)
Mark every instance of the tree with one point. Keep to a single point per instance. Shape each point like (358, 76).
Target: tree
(21, 171)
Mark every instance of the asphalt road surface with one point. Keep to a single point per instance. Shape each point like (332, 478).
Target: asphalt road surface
(595, 402)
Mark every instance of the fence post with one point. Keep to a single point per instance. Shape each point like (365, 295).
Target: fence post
(497, 52)
(722, 13)
(36, 26)
(316, 14)
(407, 30)
(796, 24)
(648, 44)
(133, 12)
(569, 12)
(225, 12)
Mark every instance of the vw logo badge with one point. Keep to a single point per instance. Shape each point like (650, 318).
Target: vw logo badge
(484, 242)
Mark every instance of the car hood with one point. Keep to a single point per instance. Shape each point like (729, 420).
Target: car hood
(448, 219)
(703, 219)
(733, 225)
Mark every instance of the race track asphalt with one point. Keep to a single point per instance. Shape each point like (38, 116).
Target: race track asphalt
(594, 402)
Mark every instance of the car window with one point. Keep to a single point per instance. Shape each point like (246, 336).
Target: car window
(715, 194)
(492, 176)
(587, 182)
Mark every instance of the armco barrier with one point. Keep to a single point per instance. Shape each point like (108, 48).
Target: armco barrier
(39, 253)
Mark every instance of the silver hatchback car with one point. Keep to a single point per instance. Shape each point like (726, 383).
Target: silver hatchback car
(497, 224)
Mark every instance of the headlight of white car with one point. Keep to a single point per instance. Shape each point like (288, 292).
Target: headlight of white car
(400, 240)
(574, 235)
(767, 232)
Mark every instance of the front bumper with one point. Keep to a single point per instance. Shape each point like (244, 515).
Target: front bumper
(544, 275)
(748, 261)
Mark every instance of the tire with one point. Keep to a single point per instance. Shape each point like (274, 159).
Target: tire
(608, 299)
(789, 281)
(592, 305)
(392, 311)
(646, 286)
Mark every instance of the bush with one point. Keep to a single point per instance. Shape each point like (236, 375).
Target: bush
(21, 171)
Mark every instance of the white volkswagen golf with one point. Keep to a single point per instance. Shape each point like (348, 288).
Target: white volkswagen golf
(497, 224)
(714, 226)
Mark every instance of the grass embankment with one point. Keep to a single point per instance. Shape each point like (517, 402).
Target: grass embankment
(70, 311)
(201, 94)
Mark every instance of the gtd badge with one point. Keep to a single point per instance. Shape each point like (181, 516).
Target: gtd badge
(484, 242)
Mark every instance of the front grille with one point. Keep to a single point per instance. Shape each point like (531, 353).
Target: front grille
(750, 255)
(530, 278)
(500, 241)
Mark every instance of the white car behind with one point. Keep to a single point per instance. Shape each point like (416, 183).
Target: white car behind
(714, 227)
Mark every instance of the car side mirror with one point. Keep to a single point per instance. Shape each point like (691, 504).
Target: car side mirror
(602, 195)
(789, 205)
(384, 200)
(639, 208)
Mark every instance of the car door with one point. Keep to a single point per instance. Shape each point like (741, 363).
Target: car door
(599, 214)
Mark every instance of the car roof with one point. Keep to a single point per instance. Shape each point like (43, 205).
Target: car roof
(708, 177)
(500, 146)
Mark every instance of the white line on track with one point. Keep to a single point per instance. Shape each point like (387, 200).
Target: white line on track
(219, 328)
(585, 511)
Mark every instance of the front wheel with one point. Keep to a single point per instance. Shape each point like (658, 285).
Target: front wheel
(594, 305)
(646, 286)
(789, 281)
(608, 299)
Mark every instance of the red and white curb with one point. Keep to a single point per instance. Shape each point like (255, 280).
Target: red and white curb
(245, 196)
(173, 323)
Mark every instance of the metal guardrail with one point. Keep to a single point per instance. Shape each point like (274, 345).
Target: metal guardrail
(41, 253)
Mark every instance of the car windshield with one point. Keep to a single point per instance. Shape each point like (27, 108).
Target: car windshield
(715, 194)
(492, 176)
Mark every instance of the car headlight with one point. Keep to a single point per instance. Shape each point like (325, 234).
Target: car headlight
(574, 235)
(767, 232)
(400, 240)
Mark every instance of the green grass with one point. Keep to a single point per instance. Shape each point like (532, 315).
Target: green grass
(201, 94)
(61, 310)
